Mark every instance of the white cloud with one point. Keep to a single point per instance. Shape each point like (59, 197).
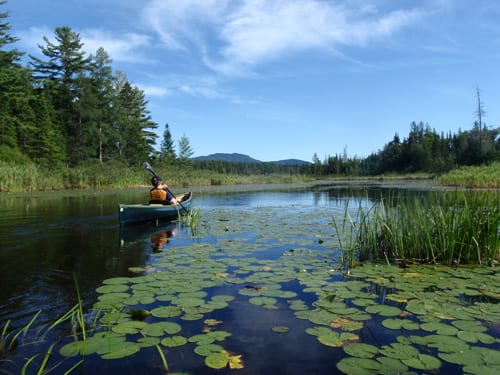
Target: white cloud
(155, 90)
(233, 37)
(125, 47)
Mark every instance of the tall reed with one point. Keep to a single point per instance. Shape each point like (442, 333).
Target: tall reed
(449, 228)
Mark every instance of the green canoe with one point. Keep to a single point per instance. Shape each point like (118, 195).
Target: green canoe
(136, 213)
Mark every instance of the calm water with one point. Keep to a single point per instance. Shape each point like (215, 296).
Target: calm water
(45, 239)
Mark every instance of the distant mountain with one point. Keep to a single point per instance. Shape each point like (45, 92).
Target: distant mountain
(291, 162)
(233, 158)
(241, 158)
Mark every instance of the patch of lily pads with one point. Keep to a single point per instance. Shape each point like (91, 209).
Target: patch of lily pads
(425, 316)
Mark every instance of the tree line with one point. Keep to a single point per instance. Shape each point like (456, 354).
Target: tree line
(69, 108)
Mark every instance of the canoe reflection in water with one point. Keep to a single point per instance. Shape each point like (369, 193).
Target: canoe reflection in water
(160, 239)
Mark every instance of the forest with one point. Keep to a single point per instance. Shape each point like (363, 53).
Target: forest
(70, 109)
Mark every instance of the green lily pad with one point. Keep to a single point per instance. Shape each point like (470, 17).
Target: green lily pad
(336, 339)
(359, 366)
(482, 369)
(383, 310)
(439, 328)
(112, 288)
(201, 339)
(395, 324)
(318, 331)
(130, 327)
(205, 350)
(217, 360)
(281, 329)
(166, 311)
(391, 366)
(475, 337)
(423, 362)
(174, 341)
(399, 351)
(263, 301)
(361, 350)
(161, 328)
(469, 325)
(126, 349)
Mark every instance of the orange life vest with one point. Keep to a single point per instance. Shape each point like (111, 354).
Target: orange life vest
(158, 195)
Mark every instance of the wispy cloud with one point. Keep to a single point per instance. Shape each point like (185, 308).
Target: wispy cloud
(234, 37)
(125, 47)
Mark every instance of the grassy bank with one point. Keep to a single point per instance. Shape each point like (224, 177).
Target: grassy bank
(28, 177)
(487, 176)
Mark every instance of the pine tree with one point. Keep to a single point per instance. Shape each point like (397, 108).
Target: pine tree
(15, 89)
(185, 149)
(63, 75)
(167, 147)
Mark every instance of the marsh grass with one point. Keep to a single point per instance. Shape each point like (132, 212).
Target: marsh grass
(449, 228)
(10, 341)
(487, 176)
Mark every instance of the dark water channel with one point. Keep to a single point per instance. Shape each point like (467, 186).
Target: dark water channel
(47, 240)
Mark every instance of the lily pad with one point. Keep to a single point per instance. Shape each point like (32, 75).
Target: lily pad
(361, 350)
(281, 329)
(217, 360)
(174, 341)
(396, 324)
(336, 339)
(359, 366)
(423, 362)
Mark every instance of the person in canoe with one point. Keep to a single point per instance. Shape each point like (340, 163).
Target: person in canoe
(159, 193)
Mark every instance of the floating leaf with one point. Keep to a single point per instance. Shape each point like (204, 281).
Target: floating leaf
(391, 366)
(439, 328)
(359, 366)
(346, 324)
(281, 329)
(112, 288)
(217, 360)
(235, 362)
(174, 341)
(166, 311)
(125, 349)
(469, 325)
(337, 339)
(396, 324)
(130, 327)
(383, 310)
(399, 351)
(474, 337)
(318, 331)
(423, 362)
(361, 350)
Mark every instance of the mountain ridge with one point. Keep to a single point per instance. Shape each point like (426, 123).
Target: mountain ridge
(242, 158)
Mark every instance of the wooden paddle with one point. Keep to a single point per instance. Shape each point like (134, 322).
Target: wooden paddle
(148, 168)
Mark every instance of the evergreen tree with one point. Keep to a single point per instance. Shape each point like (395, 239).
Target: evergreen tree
(15, 90)
(134, 125)
(63, 76)
(167, 147)
(185, 149)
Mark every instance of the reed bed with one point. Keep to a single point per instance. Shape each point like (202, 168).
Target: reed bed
(448, 228)
(487, 176)
(29, 178)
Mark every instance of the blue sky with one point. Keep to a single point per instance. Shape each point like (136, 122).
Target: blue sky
(280, 79)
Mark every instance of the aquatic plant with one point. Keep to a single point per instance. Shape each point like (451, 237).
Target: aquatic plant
(450, 228)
